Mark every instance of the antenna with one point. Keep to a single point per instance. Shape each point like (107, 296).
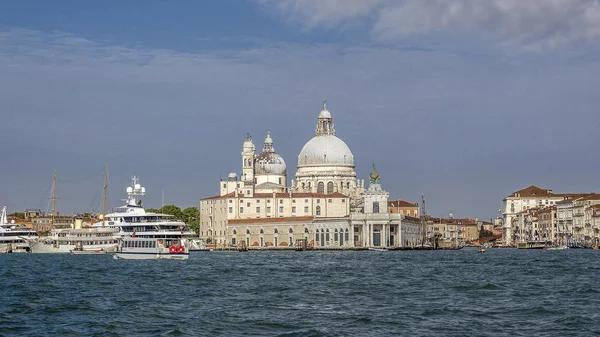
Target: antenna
(162, 200)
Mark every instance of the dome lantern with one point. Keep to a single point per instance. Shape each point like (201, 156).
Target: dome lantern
(325, 123)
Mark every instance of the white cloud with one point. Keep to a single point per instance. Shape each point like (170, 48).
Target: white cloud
(530, 24)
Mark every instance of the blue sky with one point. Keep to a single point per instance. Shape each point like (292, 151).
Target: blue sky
(463, 101)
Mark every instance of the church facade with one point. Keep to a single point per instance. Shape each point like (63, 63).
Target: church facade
(325, 206)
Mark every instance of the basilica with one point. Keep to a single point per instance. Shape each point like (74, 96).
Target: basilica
(324, 206)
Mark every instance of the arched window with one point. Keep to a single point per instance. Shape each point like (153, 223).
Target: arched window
(262, 231)
(348, 185)
(321, 187)
(327, 235)
(346, 236)
(305, 229)
(248, 231)
(303, 185)
(329, 187)
(318, 210)
(375, 206)
(335, 235)
(276, 231)
(291, 231)
(234, 232)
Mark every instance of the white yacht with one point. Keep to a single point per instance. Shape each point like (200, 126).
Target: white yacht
(77, 238)
(142, 231)
(13, 238)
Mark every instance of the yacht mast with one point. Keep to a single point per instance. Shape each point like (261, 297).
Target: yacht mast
(53, 200)
(423, 221)
(104, 195)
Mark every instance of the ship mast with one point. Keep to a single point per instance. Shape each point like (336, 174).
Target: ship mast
(423, 221)
(104, 195)
(53, 200)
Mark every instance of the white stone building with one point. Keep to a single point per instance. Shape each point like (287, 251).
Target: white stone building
(259, 209)
(523, 200)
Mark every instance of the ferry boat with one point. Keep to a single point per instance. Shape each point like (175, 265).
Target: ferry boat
(13, 239)
(133, 222)
(151, 248)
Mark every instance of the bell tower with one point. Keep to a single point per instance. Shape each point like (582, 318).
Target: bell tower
(248, 152)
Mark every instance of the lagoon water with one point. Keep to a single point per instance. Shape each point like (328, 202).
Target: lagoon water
(503, 292)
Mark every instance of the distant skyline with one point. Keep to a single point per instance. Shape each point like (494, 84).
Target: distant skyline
(463, 101)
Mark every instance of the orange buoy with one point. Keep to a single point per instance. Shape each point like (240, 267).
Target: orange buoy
(172, 249)
(181, 249)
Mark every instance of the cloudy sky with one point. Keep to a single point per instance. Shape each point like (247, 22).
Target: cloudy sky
(464, 101)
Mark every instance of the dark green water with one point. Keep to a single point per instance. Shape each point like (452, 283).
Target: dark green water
(503, 292)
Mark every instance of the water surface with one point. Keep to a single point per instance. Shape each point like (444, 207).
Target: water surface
(503, 292)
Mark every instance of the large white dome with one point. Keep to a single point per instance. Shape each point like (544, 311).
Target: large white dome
(325, 150)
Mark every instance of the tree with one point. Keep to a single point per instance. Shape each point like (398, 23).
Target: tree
(20, 215)
(191, 216)
(172, 210)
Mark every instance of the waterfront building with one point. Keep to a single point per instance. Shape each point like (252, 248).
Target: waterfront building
(325, 205)
(523, 200)
(44, 223)
(450, 232)
(583, 210)
(374, 225)
(595, 220)
(403, 207)
(547, 223)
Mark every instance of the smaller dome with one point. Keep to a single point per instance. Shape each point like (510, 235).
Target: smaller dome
(269, 163)
(325, 114)
(374, 175)
(232, 176)
(248, 144)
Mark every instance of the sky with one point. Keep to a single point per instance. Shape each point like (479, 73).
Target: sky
(462, 101)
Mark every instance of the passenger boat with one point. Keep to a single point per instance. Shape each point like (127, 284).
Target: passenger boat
(133, 222)
(13, 239)
(150, 248)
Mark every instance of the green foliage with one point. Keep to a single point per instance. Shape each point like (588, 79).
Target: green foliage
(20, 215)
(190, 215)
(485, 234)
(173, 210)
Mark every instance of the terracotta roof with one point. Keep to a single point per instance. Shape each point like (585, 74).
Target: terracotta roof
(533, 192)
(270, 220)
(591, 196)
(401, 203)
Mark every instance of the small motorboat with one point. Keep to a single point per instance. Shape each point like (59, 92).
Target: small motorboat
(87, 252)
(378, 250)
